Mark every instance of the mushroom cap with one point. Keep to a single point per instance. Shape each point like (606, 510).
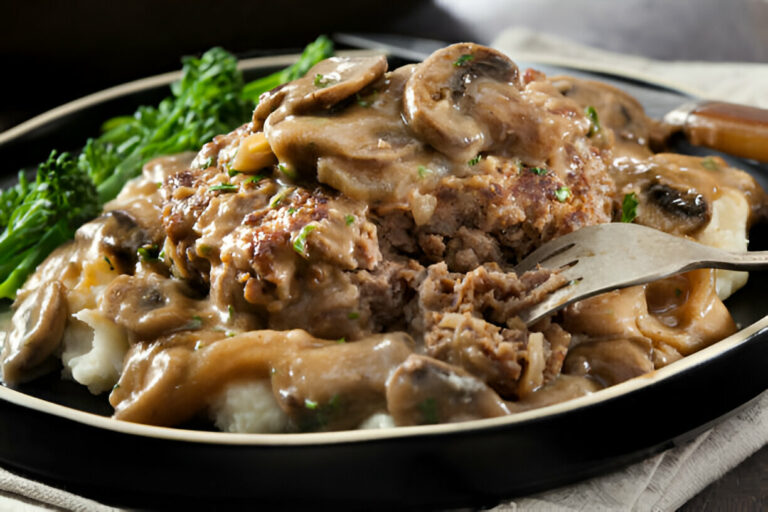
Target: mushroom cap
(327, 83)
(448, 101)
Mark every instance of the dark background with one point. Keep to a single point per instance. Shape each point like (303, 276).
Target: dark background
(53, 52)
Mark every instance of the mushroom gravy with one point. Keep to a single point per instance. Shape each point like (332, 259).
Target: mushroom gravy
(351, 249)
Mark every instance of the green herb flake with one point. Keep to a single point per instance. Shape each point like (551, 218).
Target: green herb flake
(310, 404)
(366, 101)
(467, 57)
(349, 219)
(475, 160)
(208, 162)
(148, 252)
(428, 409)
(629, 207)
(594, 122)
(562, 194)
(230, 313)
(159, 184)
(291, 210)
(196, 323)
(423, 171)
(161, 255)
(287, 171)
(299, 245)
(278, 198)
(353, 315)
(321, 81)
(710, 164)
(539, 171)
(111, 267)
(255, 178)
(223, 187)
(233, 172)
(341, 340)
(116, 386)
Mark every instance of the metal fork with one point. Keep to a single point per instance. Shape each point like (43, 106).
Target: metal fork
(606, 257)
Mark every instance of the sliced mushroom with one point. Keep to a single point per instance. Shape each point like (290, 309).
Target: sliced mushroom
(149, 305)
(121, 236)
(38, 325)
(424, 390)
(463, 100)
(611, 361)
(325, 84)
(673, 209)
(321, 384)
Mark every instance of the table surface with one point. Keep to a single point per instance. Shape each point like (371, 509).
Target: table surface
(654, 28)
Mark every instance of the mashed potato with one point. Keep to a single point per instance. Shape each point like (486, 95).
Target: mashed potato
(728, 230)
(248, 407)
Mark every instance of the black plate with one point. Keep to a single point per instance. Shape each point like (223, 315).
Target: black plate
(57, 432)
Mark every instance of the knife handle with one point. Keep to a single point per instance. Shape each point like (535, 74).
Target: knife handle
(734, 129)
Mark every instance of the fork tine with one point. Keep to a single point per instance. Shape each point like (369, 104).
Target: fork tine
(554, 302)
(544, 255)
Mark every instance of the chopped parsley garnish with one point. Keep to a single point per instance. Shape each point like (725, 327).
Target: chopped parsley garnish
(475, 160)
(594, 122)
(562, 194)
(223, 187)
(423, 171)
(341, 340)
(291, 210)
(463, 60)
(116, 386)
(428, 409)
(255, 178)
(278, 198)
(161, 255)
(629, 207)
(353, 315)
(299, 245)
(349, 219)
(366, 101)
(310, 404)
(322, 81)
(148, 252)
(233, 172)
(208, 162)
(287, 170)
(231, 313)
(710, 164)
(539, 171)
(195, 324)
(111, 267)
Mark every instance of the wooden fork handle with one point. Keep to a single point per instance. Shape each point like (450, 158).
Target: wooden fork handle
(734, 129)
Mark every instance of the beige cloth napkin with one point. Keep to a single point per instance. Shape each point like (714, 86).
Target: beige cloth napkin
(660, 483)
